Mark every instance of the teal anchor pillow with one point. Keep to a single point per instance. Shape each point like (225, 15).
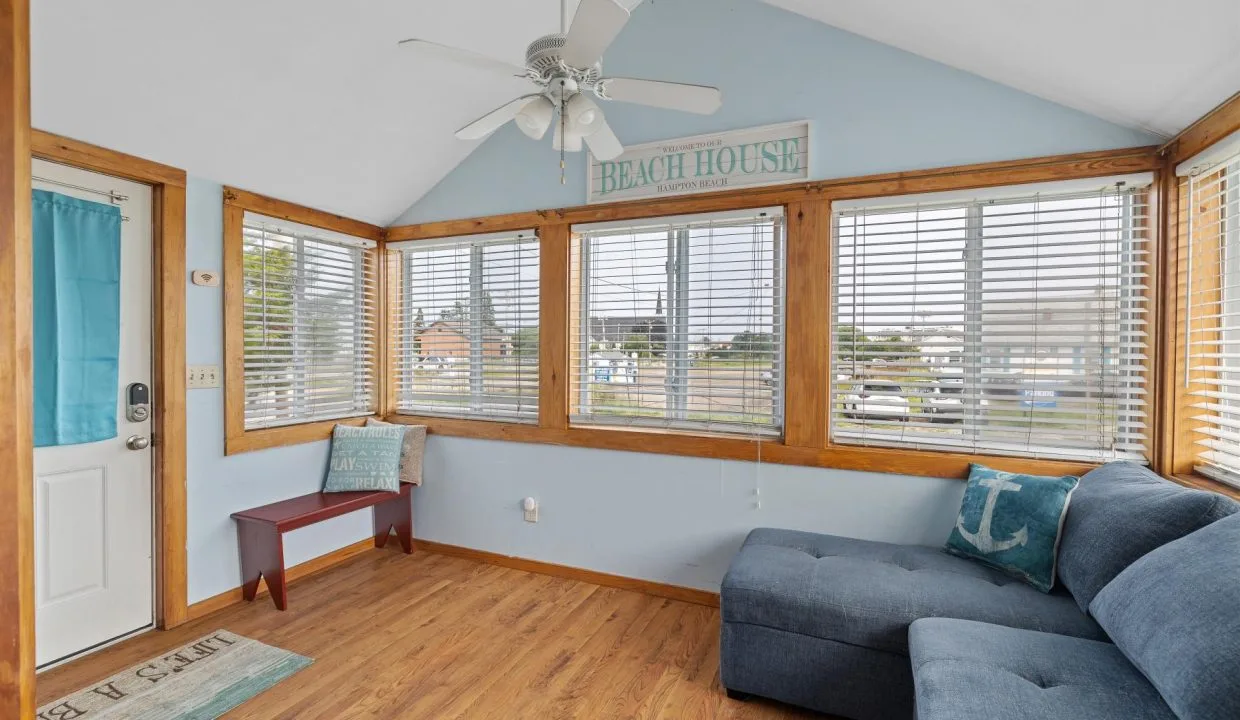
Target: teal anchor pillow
(365, 458)
(1012, 522)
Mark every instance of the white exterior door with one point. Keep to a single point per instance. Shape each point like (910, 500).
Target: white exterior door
(93, 502)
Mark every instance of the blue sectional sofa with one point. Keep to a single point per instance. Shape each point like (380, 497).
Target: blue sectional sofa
(1144, 621)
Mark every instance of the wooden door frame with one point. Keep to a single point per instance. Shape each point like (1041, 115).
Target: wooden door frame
(168, 357)
(16, 422)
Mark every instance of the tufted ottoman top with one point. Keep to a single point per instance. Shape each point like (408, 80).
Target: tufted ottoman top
(973, 671)
(868, 593)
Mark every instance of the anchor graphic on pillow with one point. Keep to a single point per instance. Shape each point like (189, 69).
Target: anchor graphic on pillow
(983, 540)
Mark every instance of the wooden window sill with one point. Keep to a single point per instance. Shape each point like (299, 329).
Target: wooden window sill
(1201, 482)
(267, 438)
(721, 447)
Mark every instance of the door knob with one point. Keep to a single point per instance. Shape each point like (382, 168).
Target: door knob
(137, 442)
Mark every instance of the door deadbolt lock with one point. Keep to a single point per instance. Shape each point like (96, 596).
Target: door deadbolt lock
(137, 402)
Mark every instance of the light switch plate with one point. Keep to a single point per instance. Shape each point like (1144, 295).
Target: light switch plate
(202, 376)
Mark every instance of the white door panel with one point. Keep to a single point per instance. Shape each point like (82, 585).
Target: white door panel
(73, 554)
(94, 570)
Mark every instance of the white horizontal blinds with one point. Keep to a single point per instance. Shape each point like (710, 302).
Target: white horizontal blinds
(679, 323)
(1012, 326)
(466, 335)
(310, 327)
(1213, 327)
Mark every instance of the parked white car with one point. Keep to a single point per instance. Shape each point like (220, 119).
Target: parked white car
(876, 400)
(448, 367)
(944, 401)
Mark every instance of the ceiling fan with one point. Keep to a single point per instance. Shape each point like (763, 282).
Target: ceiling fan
(566, 69)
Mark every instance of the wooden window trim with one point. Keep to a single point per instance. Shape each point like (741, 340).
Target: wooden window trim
(808, 209)
(1212, 127)
(1201, 482)
(731, 447)
(957, 177)
(1175, 424)
(236, 438)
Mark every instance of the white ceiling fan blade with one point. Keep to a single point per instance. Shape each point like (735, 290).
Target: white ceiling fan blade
(595, 26)
(573, 143)
(699, 99)
(604, 143)
(491, 122)
(469, 58)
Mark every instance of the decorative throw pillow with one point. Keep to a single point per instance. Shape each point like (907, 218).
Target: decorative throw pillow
(365, 458)
(1173, 614)
(1120, 512)
(410, 452)
(1012, 522)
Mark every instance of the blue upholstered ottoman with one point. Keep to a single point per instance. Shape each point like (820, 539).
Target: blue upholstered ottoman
(822, 621)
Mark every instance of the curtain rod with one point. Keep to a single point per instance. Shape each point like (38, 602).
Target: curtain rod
(112, 195)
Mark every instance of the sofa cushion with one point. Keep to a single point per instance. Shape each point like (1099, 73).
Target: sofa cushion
(1120, 512)
(1012, 521)
(866, 593)
(1174, 614)
(965, 670)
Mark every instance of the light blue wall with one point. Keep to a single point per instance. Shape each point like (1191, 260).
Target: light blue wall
(669, 519)
(663, 518)
(219, 485)
(874, 108)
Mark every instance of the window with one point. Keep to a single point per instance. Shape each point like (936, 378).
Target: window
(309, 323)
(1009, 325)
(678, 323)
(466, 332)
(1212, 214)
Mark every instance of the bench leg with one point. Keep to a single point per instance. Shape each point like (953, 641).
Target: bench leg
(262, 555)
(396, 513)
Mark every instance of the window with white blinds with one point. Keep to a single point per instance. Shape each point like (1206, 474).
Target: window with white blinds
(466, 327)
(1211, 219)
(309, 323)
(678, 323)
(1012, 321)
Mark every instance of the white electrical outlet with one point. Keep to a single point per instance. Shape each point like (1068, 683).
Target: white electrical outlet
(199, 377)
(530, 507)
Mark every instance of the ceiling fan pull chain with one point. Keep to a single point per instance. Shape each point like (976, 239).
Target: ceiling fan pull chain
(563, 135)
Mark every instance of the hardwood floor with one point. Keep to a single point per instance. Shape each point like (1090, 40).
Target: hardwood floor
(433, 636)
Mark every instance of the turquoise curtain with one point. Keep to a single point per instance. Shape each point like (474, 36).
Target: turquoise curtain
(77, 283)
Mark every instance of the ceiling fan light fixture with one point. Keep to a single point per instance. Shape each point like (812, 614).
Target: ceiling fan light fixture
(566, 68)
(584, 115)
(535, 118)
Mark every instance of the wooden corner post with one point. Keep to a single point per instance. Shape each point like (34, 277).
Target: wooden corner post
(16, 442)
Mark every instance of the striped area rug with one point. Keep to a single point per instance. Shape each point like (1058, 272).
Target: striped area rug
(201, 680)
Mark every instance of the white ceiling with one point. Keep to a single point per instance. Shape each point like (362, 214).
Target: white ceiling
(1146, 64)
(311, 100)
(305, 100)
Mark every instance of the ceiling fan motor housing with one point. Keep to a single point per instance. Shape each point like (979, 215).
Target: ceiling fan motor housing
(543, 59)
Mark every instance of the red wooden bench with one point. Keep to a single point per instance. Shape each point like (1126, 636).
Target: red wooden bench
(260, 530)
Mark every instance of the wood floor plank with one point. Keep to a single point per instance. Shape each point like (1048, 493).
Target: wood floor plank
(433, 636)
